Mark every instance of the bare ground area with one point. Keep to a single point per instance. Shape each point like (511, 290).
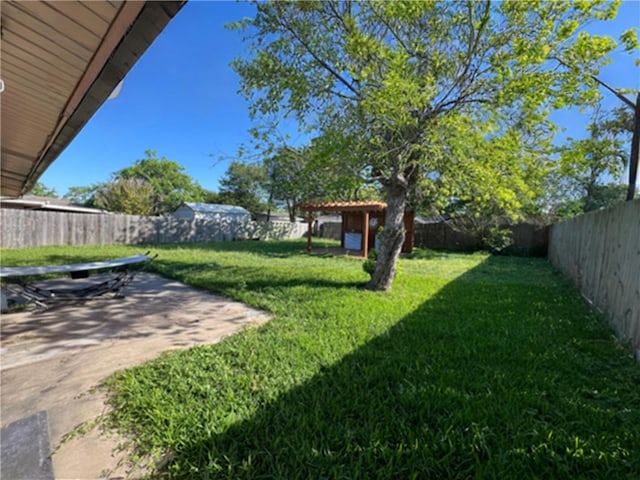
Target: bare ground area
(51, 360)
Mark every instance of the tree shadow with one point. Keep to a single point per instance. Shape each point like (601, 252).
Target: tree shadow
(150, 307)
(489, 378)
(221, 279)
(271, 249)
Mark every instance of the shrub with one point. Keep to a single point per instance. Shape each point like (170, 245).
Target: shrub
(497, 239)
(369, 264)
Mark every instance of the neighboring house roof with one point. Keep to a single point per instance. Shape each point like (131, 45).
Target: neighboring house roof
(32, 202)
(60, 62)
(214, 208)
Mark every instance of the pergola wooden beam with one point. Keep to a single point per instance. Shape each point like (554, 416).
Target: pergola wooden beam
(364, 242)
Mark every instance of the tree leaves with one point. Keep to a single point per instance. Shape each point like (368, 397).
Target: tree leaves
(585, 164)
(170, 184)
(132, 196)
(433, 94)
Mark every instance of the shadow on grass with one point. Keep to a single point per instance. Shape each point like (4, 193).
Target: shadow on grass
(487, 379)
(272, 249)
(223, 278)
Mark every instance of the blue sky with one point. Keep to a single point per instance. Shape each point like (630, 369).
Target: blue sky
(181, 100)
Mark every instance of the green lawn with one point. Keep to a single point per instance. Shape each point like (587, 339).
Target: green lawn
(472, 367)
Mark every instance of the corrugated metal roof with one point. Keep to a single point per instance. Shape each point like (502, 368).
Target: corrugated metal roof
(364, 206)
(31, 202)
(214, 208)
(60, 61)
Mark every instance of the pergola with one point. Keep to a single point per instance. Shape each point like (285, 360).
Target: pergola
(362, 211)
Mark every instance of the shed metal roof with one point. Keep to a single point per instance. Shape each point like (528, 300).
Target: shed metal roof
(60, 61)
(214, 208)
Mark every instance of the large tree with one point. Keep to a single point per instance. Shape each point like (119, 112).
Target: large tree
(285, 179)
(163, 182)
(242, 185)
(132, 196)
(588, 164)
(316, 172)
(171, 185)
(84, 195)
(41, 190)
(485, 181)
(392, 72)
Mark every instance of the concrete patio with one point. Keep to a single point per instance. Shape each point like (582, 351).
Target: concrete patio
(51, 360)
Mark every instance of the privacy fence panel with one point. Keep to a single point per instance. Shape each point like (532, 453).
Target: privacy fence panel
(528, 239)
(443, 236)
(35, 228)
(600, 252)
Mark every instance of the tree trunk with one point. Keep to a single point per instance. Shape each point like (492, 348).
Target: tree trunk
(392, 238)
(635, 152)
(269, 203)
(291, 209)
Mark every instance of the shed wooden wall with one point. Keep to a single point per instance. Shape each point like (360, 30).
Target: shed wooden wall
(352, 223)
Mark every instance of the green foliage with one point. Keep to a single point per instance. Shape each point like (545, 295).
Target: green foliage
(602, 196)
(41, 190)
(486, 178)
(497, 239)
(586, 166)
(369, 265)
(211, 197)
(171, 185)
(629, 38)
(242, 185)
(472, 367)
(132, 196)
(84, 196)
(405, 84)
(605, 196)
(317, 172)
(286, 179)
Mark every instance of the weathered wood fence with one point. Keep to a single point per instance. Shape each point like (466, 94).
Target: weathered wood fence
(528, 238)
(35, 228)
(600, 252)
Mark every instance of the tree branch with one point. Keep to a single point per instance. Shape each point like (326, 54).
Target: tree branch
(600, 82)
(319, 60)
(474, 38)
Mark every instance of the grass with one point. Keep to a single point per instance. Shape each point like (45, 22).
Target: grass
(472, 367)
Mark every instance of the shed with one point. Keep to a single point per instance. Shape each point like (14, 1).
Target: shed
(211, 211)
(361, 221)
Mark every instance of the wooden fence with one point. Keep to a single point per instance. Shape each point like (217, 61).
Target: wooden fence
(600, 252)
(528, 239)
(34, 228)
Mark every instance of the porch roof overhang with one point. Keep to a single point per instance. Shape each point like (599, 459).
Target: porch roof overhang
(60, 62)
